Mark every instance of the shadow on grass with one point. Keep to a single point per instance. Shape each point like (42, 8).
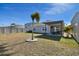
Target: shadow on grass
(4, 49)
(7, 54)
(75, 39)
(70, 38)
(18, 43)
(50, 37)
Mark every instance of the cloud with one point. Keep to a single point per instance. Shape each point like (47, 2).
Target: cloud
(59, 8)
(8, 8)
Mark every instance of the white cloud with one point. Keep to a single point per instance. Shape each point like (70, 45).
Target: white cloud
(59, 8)
(8, 8)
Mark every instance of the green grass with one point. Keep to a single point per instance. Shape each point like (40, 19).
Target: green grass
(69, 42)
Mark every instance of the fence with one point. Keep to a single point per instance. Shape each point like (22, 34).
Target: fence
(10, 29)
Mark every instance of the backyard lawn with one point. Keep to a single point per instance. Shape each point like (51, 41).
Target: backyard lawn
(15, 45)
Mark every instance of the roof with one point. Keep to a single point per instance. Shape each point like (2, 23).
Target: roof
(54, 22)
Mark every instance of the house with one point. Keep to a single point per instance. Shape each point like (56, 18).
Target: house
(17, 28)
(4, 29)
(54, 27)
(75, 26)
(39, 28)
(13, 28)
(50, 27)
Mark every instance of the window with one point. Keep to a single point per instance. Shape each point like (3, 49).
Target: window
(44, 29)
(34, 29)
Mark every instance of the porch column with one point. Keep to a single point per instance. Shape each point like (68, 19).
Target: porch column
(49, 29)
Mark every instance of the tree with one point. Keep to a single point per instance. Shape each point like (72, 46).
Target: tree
(35, 16)
(68, 29)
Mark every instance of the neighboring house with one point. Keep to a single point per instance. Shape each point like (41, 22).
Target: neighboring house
(5, 29)
(75, 26)
(13, 28)
(51, 27)
(28, 27)
(17, 28)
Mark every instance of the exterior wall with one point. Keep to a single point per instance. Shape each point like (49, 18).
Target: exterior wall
(28, 27)
(56, 28)
(14, 29)
(75, 26)
(48, 29)
(4, 30)
(41, 28)
(38, 28)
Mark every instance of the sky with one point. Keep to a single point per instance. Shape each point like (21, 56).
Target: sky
(20, 13)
